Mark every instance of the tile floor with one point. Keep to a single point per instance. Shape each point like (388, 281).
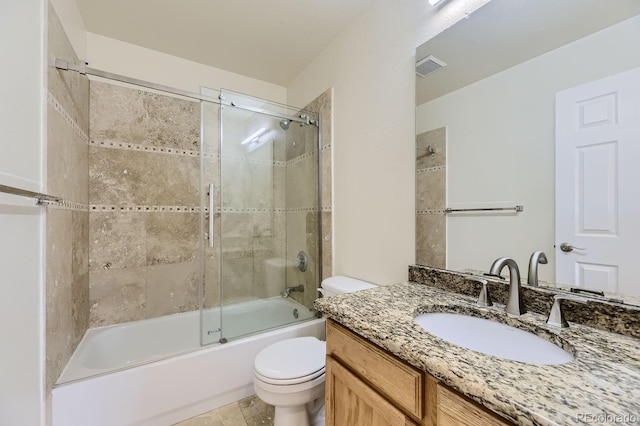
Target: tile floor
(246, 412)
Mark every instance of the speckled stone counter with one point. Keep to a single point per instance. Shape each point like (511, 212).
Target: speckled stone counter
(603, 379)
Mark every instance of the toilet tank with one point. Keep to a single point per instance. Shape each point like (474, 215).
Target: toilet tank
(339, 285)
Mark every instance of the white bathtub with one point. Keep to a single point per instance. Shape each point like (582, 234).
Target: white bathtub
(168, 388)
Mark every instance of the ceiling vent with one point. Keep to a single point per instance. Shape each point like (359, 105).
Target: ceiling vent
(428, 65)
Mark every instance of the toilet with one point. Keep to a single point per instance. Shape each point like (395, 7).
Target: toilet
(290, 374)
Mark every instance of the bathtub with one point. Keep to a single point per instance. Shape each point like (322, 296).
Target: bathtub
(173, 378)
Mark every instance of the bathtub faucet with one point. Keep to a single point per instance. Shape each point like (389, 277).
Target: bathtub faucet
(288, 290)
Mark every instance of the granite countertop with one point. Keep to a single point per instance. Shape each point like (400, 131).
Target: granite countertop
(603, 379)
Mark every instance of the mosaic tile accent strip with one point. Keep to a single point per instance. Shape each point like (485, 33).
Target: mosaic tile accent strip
(104, 143)
(430, 212)
(68, 205)
(188, 209)
(301, 158)
(431, 169)
(67, 117)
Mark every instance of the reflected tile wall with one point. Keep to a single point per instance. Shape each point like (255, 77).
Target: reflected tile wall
(67, 224)
(431, 198)
(144, 180)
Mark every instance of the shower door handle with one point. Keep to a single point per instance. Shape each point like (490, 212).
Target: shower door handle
(211, 213)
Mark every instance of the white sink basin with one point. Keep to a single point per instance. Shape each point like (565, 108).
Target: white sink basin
(493, 338)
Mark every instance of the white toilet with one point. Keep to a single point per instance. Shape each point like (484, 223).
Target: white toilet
(290, 374)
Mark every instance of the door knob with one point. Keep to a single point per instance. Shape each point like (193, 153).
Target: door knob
(566, 247)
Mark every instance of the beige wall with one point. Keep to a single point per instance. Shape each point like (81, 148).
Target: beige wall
(370, 67)
(107, 54)
(501, 146)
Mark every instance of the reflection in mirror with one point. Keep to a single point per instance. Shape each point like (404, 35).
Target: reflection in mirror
(489, 114)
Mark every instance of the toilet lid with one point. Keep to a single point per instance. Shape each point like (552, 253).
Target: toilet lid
(291, 359)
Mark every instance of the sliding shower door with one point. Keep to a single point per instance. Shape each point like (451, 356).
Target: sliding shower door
(268, 214)
(210, 321)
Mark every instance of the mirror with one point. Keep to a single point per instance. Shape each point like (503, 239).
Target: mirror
(486, 121)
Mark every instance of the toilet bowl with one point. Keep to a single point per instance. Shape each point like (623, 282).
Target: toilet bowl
(290, 374)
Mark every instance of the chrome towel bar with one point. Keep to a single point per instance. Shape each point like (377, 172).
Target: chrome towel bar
(40, 198)
(518, 209)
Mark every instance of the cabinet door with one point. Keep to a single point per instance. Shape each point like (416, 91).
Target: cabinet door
(349, 401)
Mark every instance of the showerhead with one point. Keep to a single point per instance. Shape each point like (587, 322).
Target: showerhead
(284, 123)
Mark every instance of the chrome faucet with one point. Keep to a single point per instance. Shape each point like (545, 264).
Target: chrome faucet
(287, 291)
(536, 257)
(515, 305)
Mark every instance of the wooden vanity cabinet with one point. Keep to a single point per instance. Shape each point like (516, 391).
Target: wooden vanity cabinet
(365, 386)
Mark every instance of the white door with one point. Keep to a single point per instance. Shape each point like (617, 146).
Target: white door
(598, 184)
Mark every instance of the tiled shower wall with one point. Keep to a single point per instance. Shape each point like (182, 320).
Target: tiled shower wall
(144, 204)
(303, 211)
(430, 198)
(67, 229)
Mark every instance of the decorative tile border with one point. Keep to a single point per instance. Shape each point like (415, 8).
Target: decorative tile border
(105, 143)
(67, 117)
(430, 212)
(302, 157)
(146, 209)
(112, 144)
(193, 209)
(431, 169)
(68, 205)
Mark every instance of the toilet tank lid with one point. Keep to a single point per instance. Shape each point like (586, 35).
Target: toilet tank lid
(341, 284)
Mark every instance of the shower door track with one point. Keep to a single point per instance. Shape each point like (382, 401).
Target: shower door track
(64, 65)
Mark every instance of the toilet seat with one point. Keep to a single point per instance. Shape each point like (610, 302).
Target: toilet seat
(288, 382)
(291, 361)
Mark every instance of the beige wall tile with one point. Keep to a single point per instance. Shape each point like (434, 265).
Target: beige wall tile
(172, 288)
(117, 295)
(327, 255)
(431, 240)
(67, 160)
(326, 198)
(172, 237)
(136, 116)
(59, 290)
(117, 240)
(430, 190)
(126, 177)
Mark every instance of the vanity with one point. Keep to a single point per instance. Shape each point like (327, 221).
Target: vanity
(384, 368)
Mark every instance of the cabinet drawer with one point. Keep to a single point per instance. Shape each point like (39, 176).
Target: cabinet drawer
(397, 381)
(456, 410)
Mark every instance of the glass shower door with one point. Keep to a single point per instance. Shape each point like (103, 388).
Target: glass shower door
(258, 197)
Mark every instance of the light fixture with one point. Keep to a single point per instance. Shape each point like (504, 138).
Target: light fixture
(434, 2)
(254, 136)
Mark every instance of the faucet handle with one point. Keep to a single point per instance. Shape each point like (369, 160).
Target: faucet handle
(484, 299)
(556, 316)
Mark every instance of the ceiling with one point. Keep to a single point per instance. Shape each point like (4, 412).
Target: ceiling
(504, 33)
(270, 40)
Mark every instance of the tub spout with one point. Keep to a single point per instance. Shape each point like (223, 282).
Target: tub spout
(287, 291)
